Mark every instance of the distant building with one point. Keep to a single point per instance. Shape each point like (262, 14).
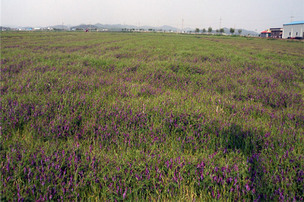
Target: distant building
(265, 34)
(276, 32)
(293, 30)
(4, 28)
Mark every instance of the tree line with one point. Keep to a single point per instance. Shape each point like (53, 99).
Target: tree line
(222, 30)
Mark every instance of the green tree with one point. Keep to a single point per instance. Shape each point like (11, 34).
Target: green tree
(240, 31)
(204, 30)
(222, 30)
(197, 30)
(232, 30)
(210, 29)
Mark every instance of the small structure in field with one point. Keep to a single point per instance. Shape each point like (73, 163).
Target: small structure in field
(276, 32)
(265, 34)
(293, 30)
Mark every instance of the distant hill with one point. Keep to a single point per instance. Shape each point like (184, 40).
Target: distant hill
(84, 27)
(65, 27)
(120, 27)
(168, 28)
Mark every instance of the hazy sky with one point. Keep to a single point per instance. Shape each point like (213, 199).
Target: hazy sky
(248, 14)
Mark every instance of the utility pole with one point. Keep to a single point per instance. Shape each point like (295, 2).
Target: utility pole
(291, 17)
(220, 23)
(182, 25)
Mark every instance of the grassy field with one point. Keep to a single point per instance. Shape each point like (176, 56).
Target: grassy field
(147, 116)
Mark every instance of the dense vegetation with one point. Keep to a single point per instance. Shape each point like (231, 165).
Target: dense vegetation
(151, 116)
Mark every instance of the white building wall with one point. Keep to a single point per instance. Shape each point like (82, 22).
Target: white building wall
(291, 31)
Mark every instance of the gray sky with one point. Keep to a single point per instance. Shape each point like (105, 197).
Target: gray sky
(248, 14)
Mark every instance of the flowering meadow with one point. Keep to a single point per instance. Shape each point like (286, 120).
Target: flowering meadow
(150, 116)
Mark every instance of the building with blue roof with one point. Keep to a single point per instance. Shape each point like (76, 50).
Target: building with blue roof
(293, 30)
